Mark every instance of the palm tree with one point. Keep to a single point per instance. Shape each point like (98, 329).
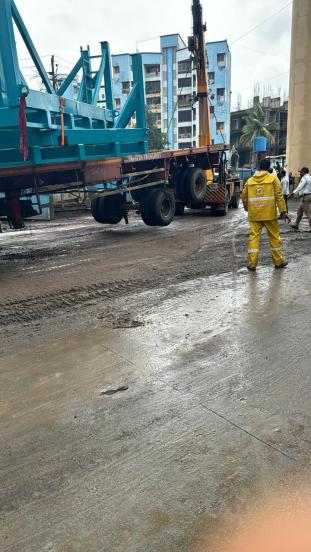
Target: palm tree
(257, 124)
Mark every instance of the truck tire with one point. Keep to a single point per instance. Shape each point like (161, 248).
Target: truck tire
(220, 210)
(158, 208)
(145, 207)
(179, 183)
(179, 209)
(235, 201)
(107, 210)
(194, 186)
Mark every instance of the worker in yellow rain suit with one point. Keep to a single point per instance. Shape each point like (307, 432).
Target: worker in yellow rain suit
(261, 196)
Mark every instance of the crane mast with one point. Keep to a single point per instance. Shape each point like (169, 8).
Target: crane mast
(197, 47)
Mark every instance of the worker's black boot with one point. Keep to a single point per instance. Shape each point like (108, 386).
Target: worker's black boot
(283, 265)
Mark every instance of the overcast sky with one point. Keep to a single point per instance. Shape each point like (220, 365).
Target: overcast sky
(62, 26)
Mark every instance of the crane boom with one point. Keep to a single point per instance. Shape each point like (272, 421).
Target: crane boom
(197, 47)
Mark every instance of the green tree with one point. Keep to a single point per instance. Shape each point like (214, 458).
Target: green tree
(257, 124)
(156, 138)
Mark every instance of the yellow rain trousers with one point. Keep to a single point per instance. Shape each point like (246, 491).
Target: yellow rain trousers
(261, 196)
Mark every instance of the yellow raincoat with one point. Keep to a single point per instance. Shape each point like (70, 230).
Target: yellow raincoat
(261, 196)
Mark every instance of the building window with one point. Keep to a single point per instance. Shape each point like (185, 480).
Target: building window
(194, 130)
(220, 127)
(184, 132)
(235, 124)
(118, 103)
(126, 86)
(221, 60)
(185, 145)
(153, 87)
(212, 110)
(116, 70)
(220, 95)
(194, 80)
(185, 116)
(185, 66)
(194, 143)
(211, 77)
(153, 102)
(185, 82)
(184, 100)
(152, 70)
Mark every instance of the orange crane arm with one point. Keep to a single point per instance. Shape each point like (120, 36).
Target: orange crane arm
(197, 47)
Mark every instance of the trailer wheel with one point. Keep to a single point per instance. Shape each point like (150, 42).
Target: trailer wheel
(222, 210)
(158, 208)
(179, 182)
(194, 185)
(179, 209)
(235, 201)
(107, 210)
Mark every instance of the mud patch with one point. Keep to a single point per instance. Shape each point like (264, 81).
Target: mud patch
(124, 323)
(110, 392)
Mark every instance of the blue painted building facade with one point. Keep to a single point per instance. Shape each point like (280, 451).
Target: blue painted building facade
(219, 76)
(170, 83)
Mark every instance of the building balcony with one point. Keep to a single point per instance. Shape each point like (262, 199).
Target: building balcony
(152, 75)
(153, 94)
(185, 136)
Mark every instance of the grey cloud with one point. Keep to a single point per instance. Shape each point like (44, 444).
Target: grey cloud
(62, 26)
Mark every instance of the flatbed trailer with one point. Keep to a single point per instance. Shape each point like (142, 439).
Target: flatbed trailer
(158, 185)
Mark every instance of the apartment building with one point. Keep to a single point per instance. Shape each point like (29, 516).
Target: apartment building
(276, 112)
(170, 86)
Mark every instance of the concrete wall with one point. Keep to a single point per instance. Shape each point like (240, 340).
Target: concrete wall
(299, 116)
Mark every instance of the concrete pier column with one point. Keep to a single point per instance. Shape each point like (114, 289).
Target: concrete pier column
(299, 115)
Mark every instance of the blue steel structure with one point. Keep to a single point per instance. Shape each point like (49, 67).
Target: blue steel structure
(89, 132)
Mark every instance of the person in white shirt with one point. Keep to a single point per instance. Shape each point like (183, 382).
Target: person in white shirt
(304, 191)
(285, 186)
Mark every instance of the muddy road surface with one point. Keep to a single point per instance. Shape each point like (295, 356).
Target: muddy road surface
(151, 388)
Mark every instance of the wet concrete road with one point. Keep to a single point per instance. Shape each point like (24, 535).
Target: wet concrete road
(212, 404)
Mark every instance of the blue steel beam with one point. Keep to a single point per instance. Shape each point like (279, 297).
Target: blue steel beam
(108, 76)
(136, 100)
(90, 131)
(86, 87)
(67, 82)
(31, 48)
(9, 69)
(99, 78)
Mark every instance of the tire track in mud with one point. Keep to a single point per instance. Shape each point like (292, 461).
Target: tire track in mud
(36, 308)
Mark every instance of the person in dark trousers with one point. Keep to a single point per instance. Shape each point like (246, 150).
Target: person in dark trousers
(304, 191)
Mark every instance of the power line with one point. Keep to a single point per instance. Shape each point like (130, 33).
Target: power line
(265, 82)
(256, 51)
(261, 23)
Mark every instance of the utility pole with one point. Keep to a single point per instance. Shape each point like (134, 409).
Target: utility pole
(53, 74)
